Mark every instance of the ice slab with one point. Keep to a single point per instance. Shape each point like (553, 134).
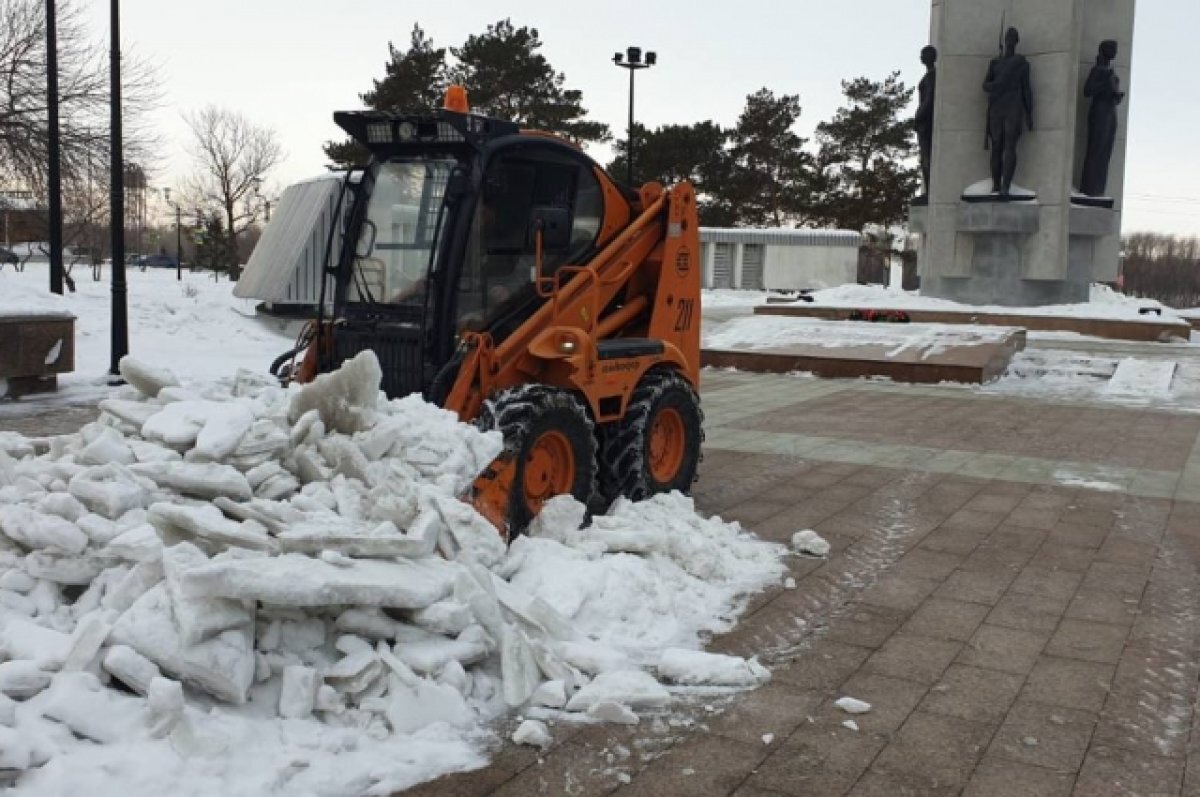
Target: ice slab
(148, 379)
(199, 479)
(632, 688)
(296, 580)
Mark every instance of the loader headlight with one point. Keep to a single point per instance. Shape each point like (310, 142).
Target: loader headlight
(406, 131)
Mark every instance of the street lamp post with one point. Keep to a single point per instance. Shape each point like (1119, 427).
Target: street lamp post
(54, 160)
(632, 61)
(120, 317)
(178, 234)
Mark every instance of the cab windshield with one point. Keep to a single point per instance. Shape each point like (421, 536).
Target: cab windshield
(400, 233)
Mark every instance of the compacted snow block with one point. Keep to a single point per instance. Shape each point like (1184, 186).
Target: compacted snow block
(695, 667)
(346, 398)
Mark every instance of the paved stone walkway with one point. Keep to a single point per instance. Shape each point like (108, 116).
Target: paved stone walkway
(1016, 633)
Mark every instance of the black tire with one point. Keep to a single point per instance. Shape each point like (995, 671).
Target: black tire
(625, 467)
(526, 414)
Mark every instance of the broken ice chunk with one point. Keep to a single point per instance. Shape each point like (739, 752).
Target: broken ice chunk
(148, 379)
(108, 446)
(198, 618)
(64, 505)
(222, 666)
(135, 584)
(695, 667)
(138, 544)
(444, 617)
(356, 538)
(551, 694)
(592, 657)
(611, 711)
(355, 672)
(130, 668)
(24, 639)
(518, 667)
(346, 398)
(78, 701)
(134, 413)
(164, 707)
(22, 679)
(71, 570)
(414, 706)
(295, 580)
(298, 693)
(629, 687)
(532, 733)
(810, 543)
(86, 640)
(206, 524)
(467, 530)
(14, 750)
(110, 490)
(199, 479)
(852, 705)
(36, 531)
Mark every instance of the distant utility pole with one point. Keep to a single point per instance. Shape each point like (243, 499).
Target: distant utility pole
(631, 60)
(55, 166)
(120, 319)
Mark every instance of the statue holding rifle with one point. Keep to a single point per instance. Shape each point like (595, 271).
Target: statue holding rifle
(1010, 111)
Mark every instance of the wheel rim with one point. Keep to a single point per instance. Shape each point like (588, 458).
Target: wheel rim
(549, 469)
(667, 445)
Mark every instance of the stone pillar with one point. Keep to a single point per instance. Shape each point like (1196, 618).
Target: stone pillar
(1039, 253)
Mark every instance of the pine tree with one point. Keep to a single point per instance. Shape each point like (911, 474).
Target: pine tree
(505, 76)
(866, 155)
(770, 180)
(414, 81)
(672, 153)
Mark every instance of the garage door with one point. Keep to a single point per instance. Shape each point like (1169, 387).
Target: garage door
(752, 267)
(723, 266)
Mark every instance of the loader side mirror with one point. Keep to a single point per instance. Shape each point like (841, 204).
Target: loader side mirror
(554, 226)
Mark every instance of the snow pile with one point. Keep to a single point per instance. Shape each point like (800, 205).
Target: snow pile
(249, 590)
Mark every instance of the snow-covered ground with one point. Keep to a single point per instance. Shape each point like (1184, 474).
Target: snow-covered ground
(196, 326)
(232, 588)
(1104, 303)
(766, 331)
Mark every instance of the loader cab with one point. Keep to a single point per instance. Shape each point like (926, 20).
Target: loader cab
(442, 232)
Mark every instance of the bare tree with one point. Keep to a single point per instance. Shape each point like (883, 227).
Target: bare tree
(233, 157)
(83, 98)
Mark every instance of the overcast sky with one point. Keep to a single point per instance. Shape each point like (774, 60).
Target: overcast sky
(290, 63)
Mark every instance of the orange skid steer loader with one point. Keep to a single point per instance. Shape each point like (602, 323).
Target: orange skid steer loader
(503, 274)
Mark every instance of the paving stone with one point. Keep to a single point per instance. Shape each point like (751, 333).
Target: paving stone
(891, 699)
(1077, 535)
(1056, 556)
(1043, 735)
(902, 593)
(1033, 518)
(866, 626)
(570, 767)
(986, 588)
(989, 501)
(895, 784)
(1069, 682)
(777, 708)
(1050, 582)
(822, 667)
(1005, 649)
(925, 564)
(1126, 580)
(1109, 770)
(913, 657)
(1028, 612)
(699, 765)
(998, 778)
(946, 619)
(1082, 639)
(935, 750)
(825, 759)
(973, 693)
(953, 540)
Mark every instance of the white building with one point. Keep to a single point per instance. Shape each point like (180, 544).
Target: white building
(778, 259)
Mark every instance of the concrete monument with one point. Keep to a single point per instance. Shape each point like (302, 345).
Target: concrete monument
(1050, 247)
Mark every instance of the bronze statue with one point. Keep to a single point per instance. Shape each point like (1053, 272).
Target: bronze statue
(924, 120)
(1010, 110)
(1103, 87)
